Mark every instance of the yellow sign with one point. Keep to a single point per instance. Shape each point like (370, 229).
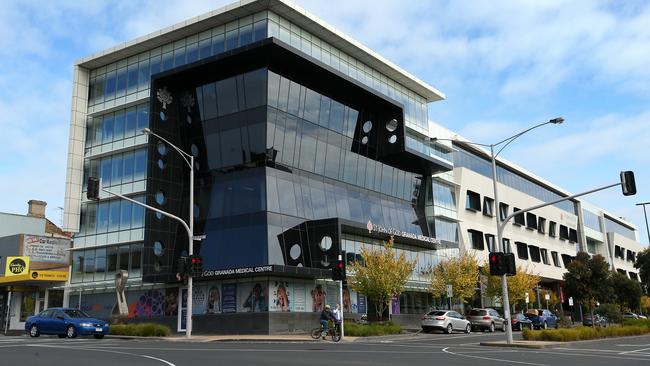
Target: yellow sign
(17, 266)
(49, 275)
(34, 277)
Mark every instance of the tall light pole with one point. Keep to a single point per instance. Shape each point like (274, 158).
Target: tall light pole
(645, 214)
(189, 159)
(497, 210)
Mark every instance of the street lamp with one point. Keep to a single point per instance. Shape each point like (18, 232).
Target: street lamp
(493, 156)
(645, 214)
(189, 159)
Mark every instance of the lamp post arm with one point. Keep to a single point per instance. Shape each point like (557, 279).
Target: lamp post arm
(184, 155)
(514, 137)
(187, 228)
(503, 223)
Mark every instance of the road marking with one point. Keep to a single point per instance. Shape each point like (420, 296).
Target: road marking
(635, 351)
(106, 350)
(445, 350)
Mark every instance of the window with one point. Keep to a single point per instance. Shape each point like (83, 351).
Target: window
(503, 211)
(573, 235)
(630, 256)
(618, 252)
(621, 271)
(476, 239)
(491, 243)
(473, 201)
(556, 260)
(634, 276)
(506, 245)
(522, 250)
(488, 206)
(566, 259)
(535, 255)
(519, 218)
(531, 220)
(541, 225)
(544, 254)
(551, 229)
(564, 232)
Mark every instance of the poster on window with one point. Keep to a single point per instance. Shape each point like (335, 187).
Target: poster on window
(229, 298)
(199, 299)
(394, 303)
(253, 297)
(350, 301)
(299, 299)
(332, 295)
(361, 301)
(281, 294)
(213, 300)
(318, 296)
(171, 301)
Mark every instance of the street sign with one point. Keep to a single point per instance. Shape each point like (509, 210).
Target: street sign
(547, 297)
(570, 301)
(527, 298)
(450, 291)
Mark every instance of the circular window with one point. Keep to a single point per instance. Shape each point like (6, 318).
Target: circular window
(160, 198)
(367, 126)
(364, 140)
(392, 139)
(325, 243)
(158, 248)
(159, 216)
(188, 119)
(162, 148)
(163, 115)
(161, 164)
(195, 150)
(295, 251)
(197, 210)
(391, 125)
(325, 262)
(197, 167)
(157, 266)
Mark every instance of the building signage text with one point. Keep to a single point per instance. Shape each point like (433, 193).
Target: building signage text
(236, 271)
(47, 249)
(392, 231)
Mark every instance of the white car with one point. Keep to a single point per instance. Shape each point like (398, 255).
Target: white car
(445, 320)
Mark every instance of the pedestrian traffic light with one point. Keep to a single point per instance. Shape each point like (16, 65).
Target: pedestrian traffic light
(496, 267)
(92, 191)
(627, 183)
(196, 264)
(338, 271)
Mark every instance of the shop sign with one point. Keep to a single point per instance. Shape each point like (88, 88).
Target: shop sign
(17, 266)
(49, 275)
(237, 271)
(396, 232)
(47, 249)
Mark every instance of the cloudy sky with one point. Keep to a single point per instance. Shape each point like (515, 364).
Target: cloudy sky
(503, 65)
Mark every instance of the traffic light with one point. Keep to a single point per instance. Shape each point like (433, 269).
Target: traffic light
(182, 267)
(627, 183)
(92, 191)
(496, 267)
(338, 271)
(196, 264)
(509, 267)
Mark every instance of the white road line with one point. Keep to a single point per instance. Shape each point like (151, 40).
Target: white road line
(109, 351)
(601, 355)
(635, 351)
(445, 350)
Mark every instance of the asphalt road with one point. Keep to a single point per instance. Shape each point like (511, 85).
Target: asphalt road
(449, 350)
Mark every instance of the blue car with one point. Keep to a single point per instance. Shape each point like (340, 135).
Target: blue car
(542, 318)
(65, 322)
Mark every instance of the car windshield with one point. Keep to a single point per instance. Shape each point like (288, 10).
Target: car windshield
(75, 313)
(476, 312)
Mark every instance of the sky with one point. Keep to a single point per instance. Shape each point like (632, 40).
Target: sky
(503, 66)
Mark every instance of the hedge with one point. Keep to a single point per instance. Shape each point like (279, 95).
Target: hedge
(140, 330)
(372, 329)
(584, 333)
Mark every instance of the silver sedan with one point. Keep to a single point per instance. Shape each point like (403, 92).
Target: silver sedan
(445, 320)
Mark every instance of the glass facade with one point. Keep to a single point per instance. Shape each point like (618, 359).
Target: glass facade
(613, 226)
(591, 220)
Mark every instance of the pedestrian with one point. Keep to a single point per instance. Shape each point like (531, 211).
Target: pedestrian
(338, 317)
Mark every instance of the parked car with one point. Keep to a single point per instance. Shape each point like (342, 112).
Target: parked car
(445, 320)
(542, 318)
(65, 322)
(486, 319)
(520, 322)
(642, 316)
(630, 315)
(601, 321)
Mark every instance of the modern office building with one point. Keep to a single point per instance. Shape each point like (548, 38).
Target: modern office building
(306, 145)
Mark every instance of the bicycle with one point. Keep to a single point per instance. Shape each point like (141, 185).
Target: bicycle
(332, 331)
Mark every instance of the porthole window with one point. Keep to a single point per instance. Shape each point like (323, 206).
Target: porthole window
(163, 115)
(325, 243)
(161, 164)
(188, 119)
(197, 167)
(391, 125)
(367, 126)
(159, 216)
(295, 251)
(160, 198)
(392, 139)
(158, 248)
(194, 150)
(364, 140)
(157, 266)
(162, 148)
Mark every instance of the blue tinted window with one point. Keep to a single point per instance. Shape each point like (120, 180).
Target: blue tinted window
(143, 118)
(273, 89)
(143, 74)
(179, 57)
(155, 66)
(324, 111)
(117, 170)
(118, 129)
(231, 149)
(125, 215)
(132, 80)
(121, 82)
(140, 166)
(114, 215)
(106, 171)
(255, 86)
(231, 40)
(102, 217)
(205, 48)
(218, 44)
(109, 86)
(192, 52)
(287, 198)
(167, 61)
(245, 35)
(138, 213)
(259, 30)
(293, 101)
(209, 104)
(107, 128)
(226, 96)
(336, 117)
(127, 174)
(130, 122)
(312, 106)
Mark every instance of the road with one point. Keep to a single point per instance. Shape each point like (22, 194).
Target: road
(449, 350)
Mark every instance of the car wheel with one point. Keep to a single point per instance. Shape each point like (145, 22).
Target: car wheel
(450, 329)
(503, 327)
(33, 331)
(545, 326)
(491, 330)
(71, 332)
(61, 335)
(100, 336)
(468, 329)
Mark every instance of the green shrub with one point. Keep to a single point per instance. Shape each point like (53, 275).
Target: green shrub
(611, 311)
(140, 330)
(584, 333)
(372, 329)
(637, 322)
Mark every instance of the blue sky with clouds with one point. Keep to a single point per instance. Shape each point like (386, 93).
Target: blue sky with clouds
(503, 66)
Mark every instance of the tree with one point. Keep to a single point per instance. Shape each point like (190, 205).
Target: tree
(643, 265)
(645, 304)
(518, 285)
(588, 279)
(628, 292)
(381, 275)
(460, 272)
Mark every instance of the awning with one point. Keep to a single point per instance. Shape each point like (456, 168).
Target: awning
(36, 277)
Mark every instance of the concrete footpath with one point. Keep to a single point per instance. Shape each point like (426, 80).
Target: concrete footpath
(238, 338)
